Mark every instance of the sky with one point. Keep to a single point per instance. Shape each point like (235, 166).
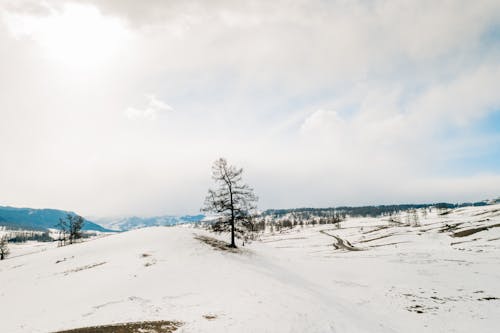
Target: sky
(120, 107)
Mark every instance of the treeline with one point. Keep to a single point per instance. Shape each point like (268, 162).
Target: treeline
(37, 236)
(364, 211)
(24, 236)
(280, 221)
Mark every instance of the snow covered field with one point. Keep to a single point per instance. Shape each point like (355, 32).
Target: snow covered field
(379, 277)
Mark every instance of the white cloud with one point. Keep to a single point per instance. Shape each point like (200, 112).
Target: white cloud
(325, 121)
(323, 102)
(153, 108)
(470, 96)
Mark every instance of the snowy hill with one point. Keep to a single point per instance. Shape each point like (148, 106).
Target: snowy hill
(165, 273)
(369, 275)
(38, 219)
(134, 222)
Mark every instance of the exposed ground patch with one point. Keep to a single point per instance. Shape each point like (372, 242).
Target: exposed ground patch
(468, 232)
(78, 269)
(388, 244)
(64, 259)
(487, 212)
(139, 327)
(150, 260)
(217, 244)
(450, 227)
(341, 243)
(489, 298)
(376, 238)
(376, 229)
(210, 316)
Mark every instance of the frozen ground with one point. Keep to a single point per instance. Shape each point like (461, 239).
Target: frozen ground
(378, 277)
(441, 276)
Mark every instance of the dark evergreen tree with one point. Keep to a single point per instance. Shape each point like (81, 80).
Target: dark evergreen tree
(232, 201)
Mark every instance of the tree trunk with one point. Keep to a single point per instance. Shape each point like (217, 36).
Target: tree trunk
(233, 244)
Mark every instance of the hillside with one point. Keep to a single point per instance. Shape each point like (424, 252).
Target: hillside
(38, 219)
(165, 273)
(369, 275)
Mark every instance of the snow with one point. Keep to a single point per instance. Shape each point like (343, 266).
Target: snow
(294, 281)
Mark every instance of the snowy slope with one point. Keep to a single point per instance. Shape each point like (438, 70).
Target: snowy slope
(164, 273)
(434, 277)
(404, 279)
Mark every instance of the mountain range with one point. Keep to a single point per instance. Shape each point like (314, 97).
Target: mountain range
(42, 219)
(39, 219)
(135, 222)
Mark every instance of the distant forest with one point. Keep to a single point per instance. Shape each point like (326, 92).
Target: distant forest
(371, 211)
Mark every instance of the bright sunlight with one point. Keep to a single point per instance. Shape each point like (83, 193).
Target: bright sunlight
(76, 36)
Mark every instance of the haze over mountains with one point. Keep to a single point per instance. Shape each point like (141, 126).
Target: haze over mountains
(135, 222)
(42, 219)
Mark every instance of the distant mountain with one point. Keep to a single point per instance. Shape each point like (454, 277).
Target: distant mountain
(38, 219)
(493, 201)
(134, 222)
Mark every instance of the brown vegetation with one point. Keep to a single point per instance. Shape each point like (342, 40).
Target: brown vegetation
(140, 327)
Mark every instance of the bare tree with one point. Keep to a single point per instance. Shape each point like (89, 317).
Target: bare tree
(232, 201)
(70, 228)
(4, 248)
(414, 217)
(75, 228)
(62, 226)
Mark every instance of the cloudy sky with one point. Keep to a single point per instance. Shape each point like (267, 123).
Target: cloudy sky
(118, 107)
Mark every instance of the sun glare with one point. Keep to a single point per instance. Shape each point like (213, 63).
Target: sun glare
(78, 36)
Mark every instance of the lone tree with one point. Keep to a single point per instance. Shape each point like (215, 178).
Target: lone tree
(232, 201)
(4, 248)
(70, 228)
